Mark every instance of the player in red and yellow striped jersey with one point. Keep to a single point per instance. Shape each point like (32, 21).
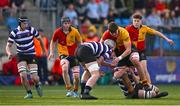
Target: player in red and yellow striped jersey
(137, 33)
(68, 39)
(126, 57)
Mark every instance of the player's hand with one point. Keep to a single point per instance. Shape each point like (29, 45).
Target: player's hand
(10, 56)
(115, 61)
(51, 55)
(171, 42)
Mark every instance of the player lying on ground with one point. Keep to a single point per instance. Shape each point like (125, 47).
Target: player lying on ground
(91, 54)
(133, 88)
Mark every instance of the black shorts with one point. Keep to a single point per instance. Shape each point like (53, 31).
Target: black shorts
(142, 55)
(30, 59)
(72, 60)
(85, 54)
(125, 61)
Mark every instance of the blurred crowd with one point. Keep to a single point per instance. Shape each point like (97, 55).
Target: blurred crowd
(156, 12)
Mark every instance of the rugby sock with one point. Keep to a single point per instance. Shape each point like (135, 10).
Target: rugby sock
(87, 89)
(29, 92)
(83, 84)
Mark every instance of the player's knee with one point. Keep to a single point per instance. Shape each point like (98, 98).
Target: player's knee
(96, 75)
(35, 77)
(76, 73)
(134, 57)
(23, 75)
(65, 68)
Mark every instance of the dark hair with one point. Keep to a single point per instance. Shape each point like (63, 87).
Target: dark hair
(112, 27)
(137, 15)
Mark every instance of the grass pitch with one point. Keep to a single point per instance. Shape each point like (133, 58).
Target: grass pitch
(108, 95)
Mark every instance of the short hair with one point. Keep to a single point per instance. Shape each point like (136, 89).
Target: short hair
(112, 27)
(137, 15)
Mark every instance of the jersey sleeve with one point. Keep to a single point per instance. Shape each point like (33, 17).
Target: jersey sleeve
(126, 38)
(11, 37)
(150, 30)
(55, 36)
(34, 32)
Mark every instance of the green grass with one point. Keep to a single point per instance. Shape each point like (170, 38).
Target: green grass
(108, 95)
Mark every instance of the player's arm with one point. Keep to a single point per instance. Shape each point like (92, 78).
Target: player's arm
(171, 42)
(127, 45)
(9, 44)
(52, 44)
(8, 49)
(101, 62)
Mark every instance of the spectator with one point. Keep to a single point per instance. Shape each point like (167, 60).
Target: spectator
(154, 18)
(166, 20)
(175, 19)
(81, 10)
(104, 9)
(72, 14)
(160, 6)
(93, 12)
(3, 5)
(111, 15)
(42, 59)
(92, 35)
(17, 6)
(120, 8)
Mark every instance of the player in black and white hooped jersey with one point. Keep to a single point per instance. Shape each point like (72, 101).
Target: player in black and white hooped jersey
(23, 36)
(91, 55)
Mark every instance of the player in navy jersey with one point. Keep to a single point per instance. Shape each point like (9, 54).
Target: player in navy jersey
(23, 36)
(91, 55)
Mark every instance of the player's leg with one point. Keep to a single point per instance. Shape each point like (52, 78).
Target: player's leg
(119, 71)
(75, 71)
(144, 64)
(94, 71)
(134, 58)
(65, 68)
(22, 69)
(34, 76)
(85, 76)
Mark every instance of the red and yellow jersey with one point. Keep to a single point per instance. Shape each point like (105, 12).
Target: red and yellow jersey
(67, 43)
(121, 39)
(38, 48)
(138, 36)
